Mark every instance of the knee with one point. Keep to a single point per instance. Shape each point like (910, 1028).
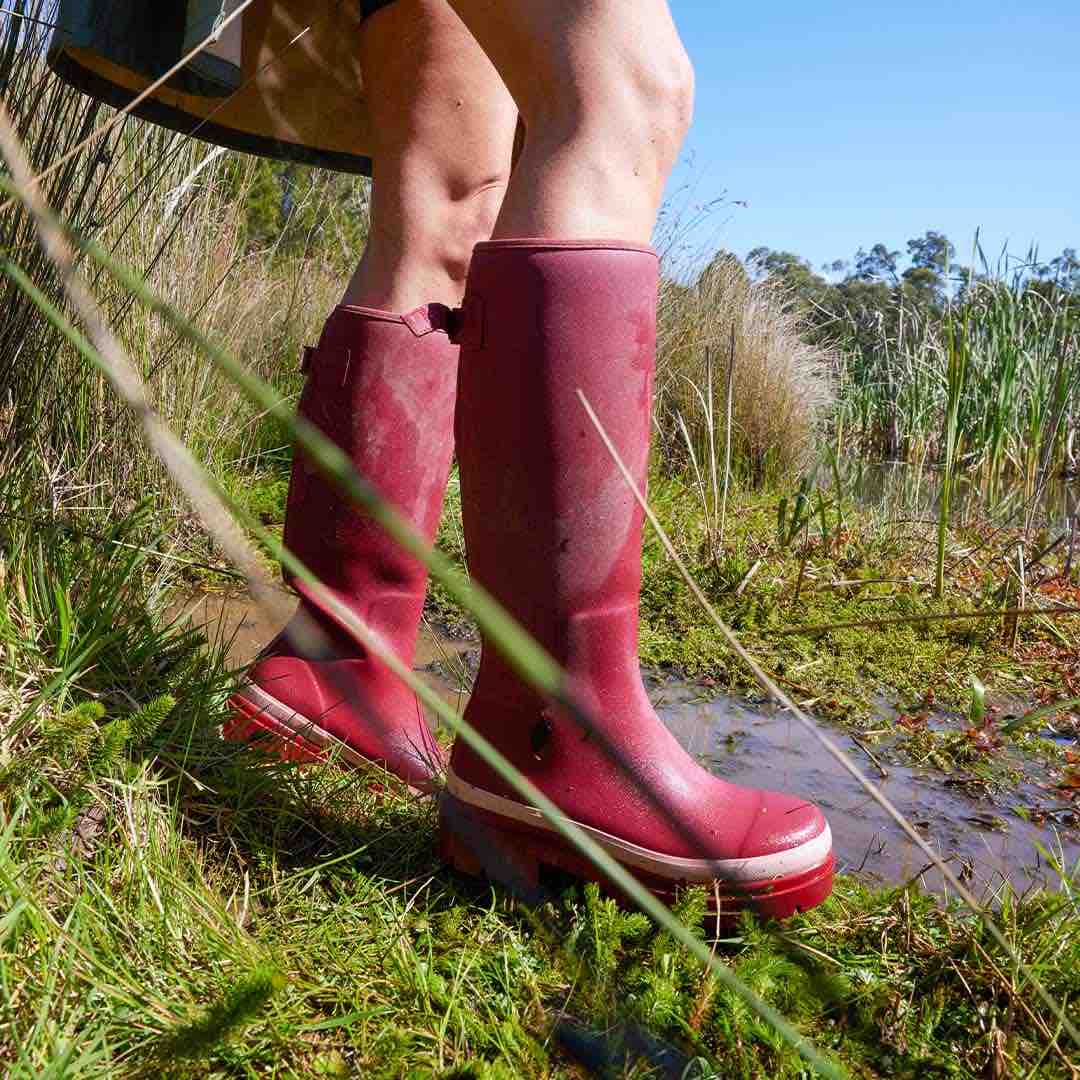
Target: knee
(467, 216)
(428, 214)
(664, 89)
(638, 99)
(654, 99)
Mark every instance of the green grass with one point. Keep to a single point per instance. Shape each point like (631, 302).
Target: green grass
(1007, 415)
(863, 568)
(175, 906)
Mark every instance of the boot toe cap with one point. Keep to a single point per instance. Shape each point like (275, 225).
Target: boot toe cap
(372, 713)
(786, 835)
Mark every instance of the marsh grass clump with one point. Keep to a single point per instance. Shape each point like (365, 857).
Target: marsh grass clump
(781, 384)
(104, 674)
(190, 242)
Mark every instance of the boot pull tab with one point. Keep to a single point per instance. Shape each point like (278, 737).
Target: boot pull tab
(307, 358)
(426, 319)
(463, 325)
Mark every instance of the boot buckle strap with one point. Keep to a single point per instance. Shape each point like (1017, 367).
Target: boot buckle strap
(463, 325)
(426, 319)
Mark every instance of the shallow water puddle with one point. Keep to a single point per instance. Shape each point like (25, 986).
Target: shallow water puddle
(235, 622)
(983, 838)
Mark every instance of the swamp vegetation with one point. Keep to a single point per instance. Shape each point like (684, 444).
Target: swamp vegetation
(172, 905)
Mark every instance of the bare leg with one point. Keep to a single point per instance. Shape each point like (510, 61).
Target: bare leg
(605, 89)
(444, 124)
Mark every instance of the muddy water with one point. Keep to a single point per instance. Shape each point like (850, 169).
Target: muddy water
(235, 623)
(984, 840)
(916, 490)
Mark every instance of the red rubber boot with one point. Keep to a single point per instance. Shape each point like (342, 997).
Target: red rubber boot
(554, 533)
(382, 387)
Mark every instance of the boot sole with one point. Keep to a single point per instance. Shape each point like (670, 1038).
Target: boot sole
(484, 835)
(259, 718)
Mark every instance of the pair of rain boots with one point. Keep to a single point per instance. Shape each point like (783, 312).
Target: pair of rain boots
(554, 533)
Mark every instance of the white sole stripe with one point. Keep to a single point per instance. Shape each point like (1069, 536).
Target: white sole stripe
(755, 870)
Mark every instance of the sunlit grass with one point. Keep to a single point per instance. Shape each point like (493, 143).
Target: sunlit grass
(160, 919)
(1013, 402)
(166, 923)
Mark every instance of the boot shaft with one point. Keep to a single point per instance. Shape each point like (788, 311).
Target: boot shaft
(553, 531)
(382, 387)
(550, 525)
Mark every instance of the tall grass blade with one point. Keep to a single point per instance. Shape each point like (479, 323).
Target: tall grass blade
(729, 405)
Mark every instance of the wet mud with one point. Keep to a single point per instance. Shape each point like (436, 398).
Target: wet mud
(233, 622)
(981, 834)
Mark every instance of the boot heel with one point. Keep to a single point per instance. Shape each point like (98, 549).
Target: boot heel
(454, 850)
(473, 843)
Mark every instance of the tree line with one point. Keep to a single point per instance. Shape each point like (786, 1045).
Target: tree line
(856, 299)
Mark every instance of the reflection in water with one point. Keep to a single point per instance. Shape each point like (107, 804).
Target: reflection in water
(900, 489)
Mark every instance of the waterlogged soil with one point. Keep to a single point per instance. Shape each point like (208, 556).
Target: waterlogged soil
(235, 623)
(989, 832)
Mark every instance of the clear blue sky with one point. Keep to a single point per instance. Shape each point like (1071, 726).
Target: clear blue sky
(841, 124)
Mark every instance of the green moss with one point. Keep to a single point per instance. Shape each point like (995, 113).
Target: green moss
(848, 672)
(260, 494)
